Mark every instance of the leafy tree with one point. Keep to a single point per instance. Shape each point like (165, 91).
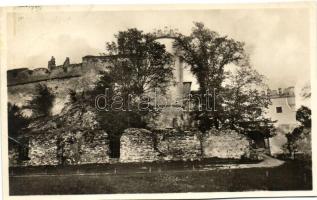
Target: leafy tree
(16, 120)
(140, 64)
(303, 115)
(243, 103)
(42, 102)
(207, 53)
(113, 121)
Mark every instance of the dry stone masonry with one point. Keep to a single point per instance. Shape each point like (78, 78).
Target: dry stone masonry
(179, 145)
(140, 145)
(225, 144)
(137, 145)
(75, 147)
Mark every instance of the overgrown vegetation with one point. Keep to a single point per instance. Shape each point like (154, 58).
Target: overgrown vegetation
(299, 140)
(42, 102)
(16, 120)
(139, 66)
(237, 92)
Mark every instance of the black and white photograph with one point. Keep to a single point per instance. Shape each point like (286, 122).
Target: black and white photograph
(114, 100)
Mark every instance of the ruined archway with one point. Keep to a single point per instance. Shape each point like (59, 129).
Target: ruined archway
(172, 34)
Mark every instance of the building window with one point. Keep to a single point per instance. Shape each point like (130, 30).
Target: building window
(279, 110)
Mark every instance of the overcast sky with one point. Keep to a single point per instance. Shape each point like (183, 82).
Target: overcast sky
(276, 39)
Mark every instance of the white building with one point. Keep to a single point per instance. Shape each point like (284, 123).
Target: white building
(283, 111)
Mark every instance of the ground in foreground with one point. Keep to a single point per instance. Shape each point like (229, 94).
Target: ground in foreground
(289, 176)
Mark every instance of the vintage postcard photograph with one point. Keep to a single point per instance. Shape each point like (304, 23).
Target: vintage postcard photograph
(150, 101)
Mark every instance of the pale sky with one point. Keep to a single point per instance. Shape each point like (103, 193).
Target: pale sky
(277, 39)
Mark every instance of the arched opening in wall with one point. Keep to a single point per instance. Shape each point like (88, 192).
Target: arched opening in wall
(114, 146)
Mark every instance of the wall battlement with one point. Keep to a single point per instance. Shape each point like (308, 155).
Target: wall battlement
(67, 70)
(281, 93)
(25, 76)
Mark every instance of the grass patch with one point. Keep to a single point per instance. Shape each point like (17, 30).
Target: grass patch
(289, 176)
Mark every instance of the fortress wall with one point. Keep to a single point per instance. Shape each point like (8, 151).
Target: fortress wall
(69, 148)
(20, 94)
(94, 148)
(137, 145)
(27, 76)
(22, 82)
(225, 144)
(140, 145)
(43, 150)
(176, 145)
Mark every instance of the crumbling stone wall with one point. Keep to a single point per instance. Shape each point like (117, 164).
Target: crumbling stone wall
(225, 144)
(78, 77)
(94, 148)
(137, 145)
(42, 150)
(21, 94)
(179, 145)
(140, 145)
(66, 148)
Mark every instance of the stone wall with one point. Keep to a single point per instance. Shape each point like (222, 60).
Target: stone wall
(138, 145)
(21, 82)
(68, 148)
(94, 148)
(25, 75)
(43, 150)
(90, 64)
(179, 145)
(21, 94)
(225, 144)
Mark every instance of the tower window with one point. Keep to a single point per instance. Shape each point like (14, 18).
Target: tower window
(279, 110)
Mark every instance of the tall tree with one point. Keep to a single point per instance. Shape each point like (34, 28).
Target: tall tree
(245, 106)
(243, 100)
(207, 53)
(42, 102)
(139, 65)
